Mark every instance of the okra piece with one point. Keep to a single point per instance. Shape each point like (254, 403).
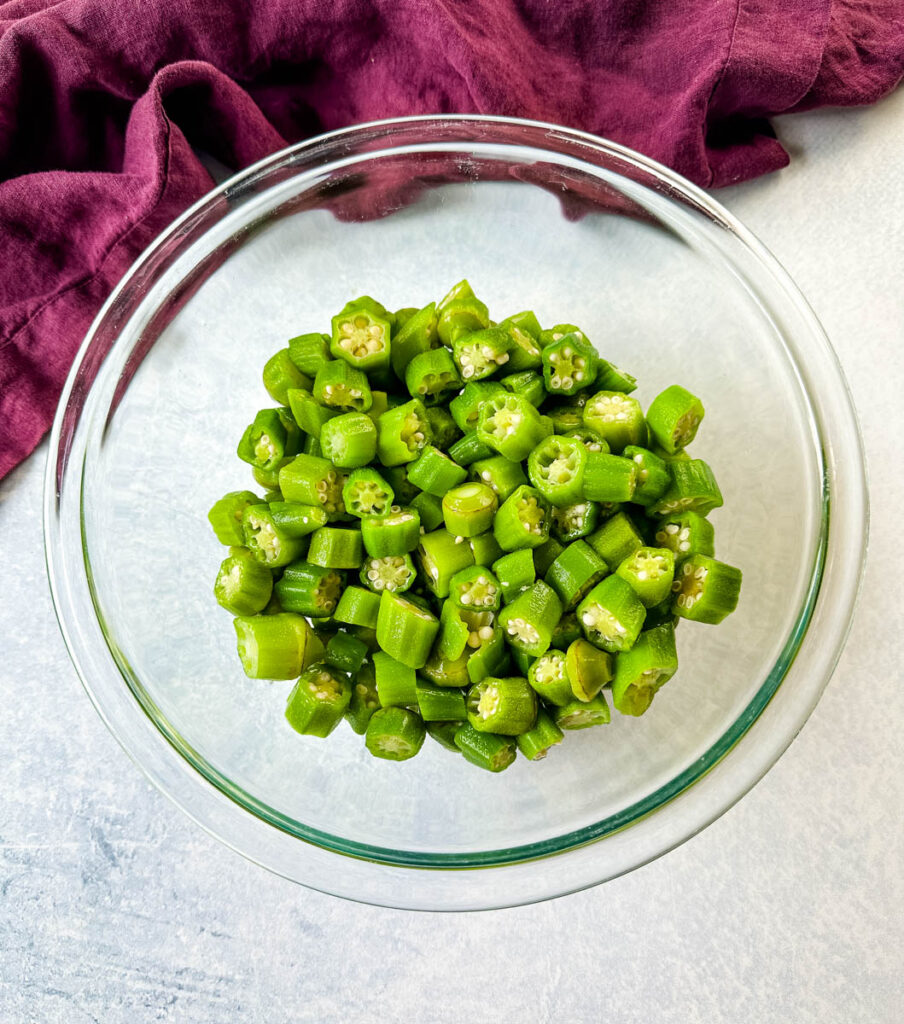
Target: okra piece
(693, 489)
(640, 672)
(269, 544)
(589, 438)
(396, 683)
(441, 556)
(491, 657)
(510, 425)
(608, 478)
(416, 335)
(524, 329)
(318, 701)
(434, 472)
(469, 449)
(444, 733)
(309, 589)
(361, 335)
(400, 317)
(243, 585)
(429, 375)
(469, 509)
(358, 607)
(611, 615)
(460, 316)
(364, 701)
(475, 589)
(529, 621)
(310, 480)
(548, 675)
(589, 669)
(566, 632)
(430, 509)
(402, 432)
(557, 467)
(297, 520)
(536, 743)
(479, 354)
(485, 548)
(440, 703)
(280, 374)
(522, 520)
(515, 572)
(465, 408)
(345, 652)
(309, 352)
(610, 378)
(507, 707)
(617, 418)
(269, 478)
(706, 590)
(500, 474)
(653, 476)
(575, 573)
(686, 534)
(454, 632)
(444, 429)
(366, 493)
(342, 387)
(546, 554)
(487, 750)
(461, 290)
(572, 522)
(332, 548)
(349, 441)
(446, 671)
(269, 439)
(395, 573)
(649, 572)
(277, 646)
(583, 714)
(225, 516)
(617, 538)
(556, 333)
(394, 734)
(393, 534)
(528, 384)
(405, 631)
(673, 418)
(569, 365)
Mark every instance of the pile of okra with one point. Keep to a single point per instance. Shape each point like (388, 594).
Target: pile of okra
(470, 529)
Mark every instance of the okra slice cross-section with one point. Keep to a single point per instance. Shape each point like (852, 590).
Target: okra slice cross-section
(391, 572)
(276, 646)
(361, 335)
(243, 584)
(693, 489)
(225, 516)
(649, 572)
(506, 707)
(469, 509)
(311, 480)
(548, 675)
(395, 734)
(536, 743)
(309, 589)
(522, 520)
(640, 672)
(487, 750)
(510, 425)
(529, 620)
(481, 353)
(395, 533)
(405, 631)
(569, 365)
(402, 432)
(579, 714)
(611, 615)
(475, 589)
(267, 542)
(686, 534)
(706, 590)
(556, 468)
(349, 441)
(673, 418)
(366, 493)
(617, 418)
(319, 700)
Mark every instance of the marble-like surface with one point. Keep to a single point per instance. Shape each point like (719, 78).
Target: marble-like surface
(114, 907)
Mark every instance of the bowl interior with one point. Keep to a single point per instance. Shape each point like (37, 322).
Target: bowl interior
(659, 288)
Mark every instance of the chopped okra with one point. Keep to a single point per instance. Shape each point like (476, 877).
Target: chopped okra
(470, 528)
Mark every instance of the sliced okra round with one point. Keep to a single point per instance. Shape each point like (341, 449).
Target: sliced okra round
(556, 467)
(430, 374)
(506, 707)
(536, 743)
(522, 520)
(686, 534)
(395, 533)
(589, 669)
(475, 589)
(617, 418)
(349, 441)
(673, 418)
(243, 584)
(510, 425)
(611, 615)
(395, 573)
(402, 432)
(649, 572)
(572, 522)
(569, 365)
(640, 672)
(548, 675)
(309, 589)
(469, 509)
(480, 354)
(395, 734)
(580, 714)
(319, 700)
(706, 590)
(311, 480)
(693, 488)
(361, 336)
(366, 493)
(487, 750)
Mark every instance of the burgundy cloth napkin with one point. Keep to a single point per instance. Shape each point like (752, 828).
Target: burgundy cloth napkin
(103, 104)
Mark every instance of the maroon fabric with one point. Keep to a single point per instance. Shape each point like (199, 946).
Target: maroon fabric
(103, 104)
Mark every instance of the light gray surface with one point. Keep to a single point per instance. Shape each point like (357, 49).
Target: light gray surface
(115, 907)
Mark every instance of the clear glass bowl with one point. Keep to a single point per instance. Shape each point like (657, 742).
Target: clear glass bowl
(666, 283)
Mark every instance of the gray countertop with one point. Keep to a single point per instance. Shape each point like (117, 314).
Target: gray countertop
(115, 907)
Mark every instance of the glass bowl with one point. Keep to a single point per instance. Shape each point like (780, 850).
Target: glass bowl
(666, 284)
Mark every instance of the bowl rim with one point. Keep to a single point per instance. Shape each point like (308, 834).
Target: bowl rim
(664, 795)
